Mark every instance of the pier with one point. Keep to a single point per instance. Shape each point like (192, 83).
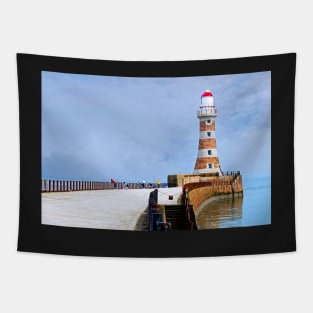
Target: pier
(117, 209)
(150, 209)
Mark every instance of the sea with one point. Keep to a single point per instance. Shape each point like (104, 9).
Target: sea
(253, 209)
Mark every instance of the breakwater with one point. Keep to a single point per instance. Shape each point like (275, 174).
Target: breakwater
(200, 193)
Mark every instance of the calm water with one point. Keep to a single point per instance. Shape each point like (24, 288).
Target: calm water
(251, 210)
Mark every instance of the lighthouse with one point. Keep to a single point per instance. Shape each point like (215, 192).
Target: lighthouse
(207, 157)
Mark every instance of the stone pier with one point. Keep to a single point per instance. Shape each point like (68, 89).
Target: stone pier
(103, 209)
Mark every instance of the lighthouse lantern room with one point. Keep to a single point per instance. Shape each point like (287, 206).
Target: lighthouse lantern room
(207, 158)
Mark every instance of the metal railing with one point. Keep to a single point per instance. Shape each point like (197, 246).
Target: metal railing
(57, 185)
(156, 222)
(206, 112)
(185, 202)
(231, 173)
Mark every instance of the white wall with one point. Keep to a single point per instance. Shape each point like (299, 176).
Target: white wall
(158, 30)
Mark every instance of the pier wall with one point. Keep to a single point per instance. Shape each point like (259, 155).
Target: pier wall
(224, 186)
(176, 180)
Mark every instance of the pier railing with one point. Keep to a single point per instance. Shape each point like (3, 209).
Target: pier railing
(54, 185)
(185, 201)
(156, 221)
(231, 173)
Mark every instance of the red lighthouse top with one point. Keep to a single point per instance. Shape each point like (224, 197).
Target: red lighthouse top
(207, 93)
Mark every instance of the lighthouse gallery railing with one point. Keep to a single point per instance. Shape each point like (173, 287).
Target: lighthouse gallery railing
(206, 112)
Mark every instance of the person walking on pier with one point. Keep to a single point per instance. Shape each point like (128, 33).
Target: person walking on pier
(159, 183)
(114, 183)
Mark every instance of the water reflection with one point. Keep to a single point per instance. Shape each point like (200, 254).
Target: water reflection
(222, 213)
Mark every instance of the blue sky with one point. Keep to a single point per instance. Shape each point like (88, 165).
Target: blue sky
(129, 129)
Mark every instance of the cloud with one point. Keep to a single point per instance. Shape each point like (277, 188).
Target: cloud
(69, 167)
(133, 128)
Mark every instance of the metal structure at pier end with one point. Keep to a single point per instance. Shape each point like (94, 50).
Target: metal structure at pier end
(207, 158)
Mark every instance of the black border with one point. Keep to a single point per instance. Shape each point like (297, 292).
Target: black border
(277, 237)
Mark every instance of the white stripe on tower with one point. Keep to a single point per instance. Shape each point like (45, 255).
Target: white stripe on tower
(207, 134)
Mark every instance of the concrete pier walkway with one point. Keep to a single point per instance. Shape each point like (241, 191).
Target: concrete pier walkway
(105, 209)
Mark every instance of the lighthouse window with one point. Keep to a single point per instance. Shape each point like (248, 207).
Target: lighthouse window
(209, 152)
(208, 134)
(210, 165)
(208, 121)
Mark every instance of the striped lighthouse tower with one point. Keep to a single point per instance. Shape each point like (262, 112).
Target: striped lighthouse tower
(207, 158)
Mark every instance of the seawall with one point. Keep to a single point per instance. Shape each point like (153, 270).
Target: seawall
(202, 193)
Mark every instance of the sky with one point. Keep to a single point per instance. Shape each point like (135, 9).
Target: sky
(129, 129)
